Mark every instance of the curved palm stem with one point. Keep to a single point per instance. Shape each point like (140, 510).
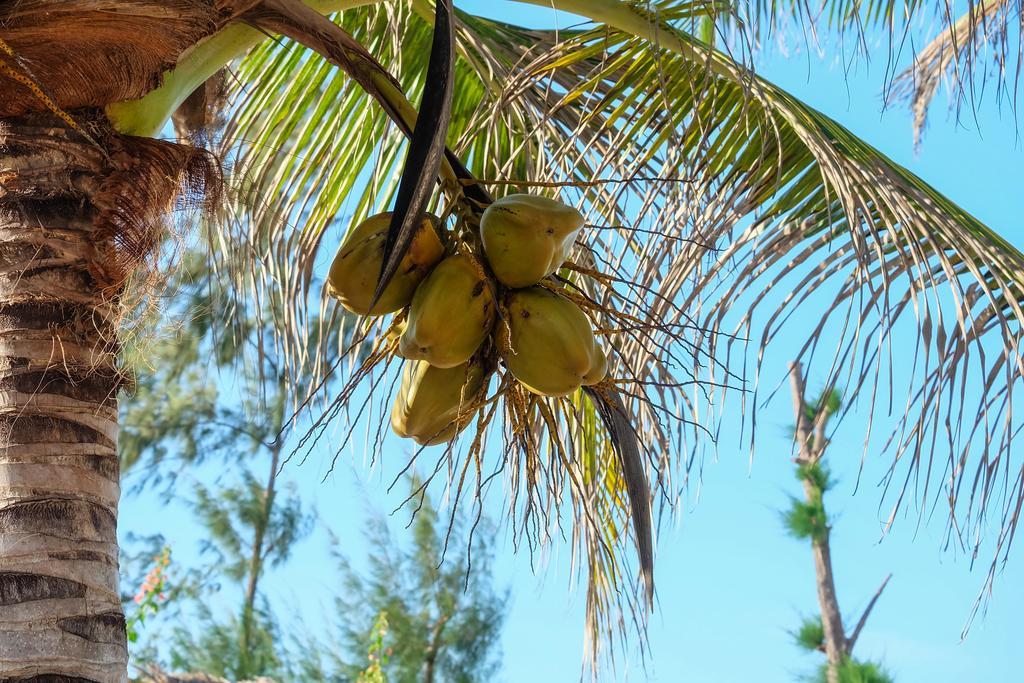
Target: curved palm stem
(147, 115)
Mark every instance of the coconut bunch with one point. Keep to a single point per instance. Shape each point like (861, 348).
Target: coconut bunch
(485, 297)
(507, 324)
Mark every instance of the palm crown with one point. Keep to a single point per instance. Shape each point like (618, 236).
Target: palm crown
(717, 204)
(706, 186)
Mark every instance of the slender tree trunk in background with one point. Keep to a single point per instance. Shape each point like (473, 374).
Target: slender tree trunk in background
(430, 662)
(60, 611)
(811, 422)
(811, 443)
(258, 551)
(828, 602)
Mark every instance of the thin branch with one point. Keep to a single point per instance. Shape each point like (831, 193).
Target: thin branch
(796, 381)
(864, 617)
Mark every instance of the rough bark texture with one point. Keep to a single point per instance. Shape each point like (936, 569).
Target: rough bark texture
(828, 602)
(75, 221)
(60, 611)
(80, 212)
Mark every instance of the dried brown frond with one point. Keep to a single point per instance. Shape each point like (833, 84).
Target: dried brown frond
(960, 54)
(146, 183)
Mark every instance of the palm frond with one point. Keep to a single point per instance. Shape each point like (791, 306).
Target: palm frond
(974, 46)
(964, 53)
(797, 205)
(785, 209)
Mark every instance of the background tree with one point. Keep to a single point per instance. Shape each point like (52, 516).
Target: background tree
(444, 615)
(250, 532)
(808, 520)
(179, 421)
(444, 620)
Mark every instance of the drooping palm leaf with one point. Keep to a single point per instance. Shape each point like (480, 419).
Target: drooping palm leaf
(964, 53)
(778, 187)
(974, 46)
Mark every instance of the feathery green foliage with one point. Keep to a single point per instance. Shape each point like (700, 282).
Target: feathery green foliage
(811, 636)
(807, 520)
(828, 402)
(444, 615)
(238, 648)
(853, 671)
(816, 473)
(252, 522)
(233, 514)
(175, 412)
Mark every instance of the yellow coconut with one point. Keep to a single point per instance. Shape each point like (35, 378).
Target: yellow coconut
(548, 343)
(526, 238)
(356, 266)
(435, 404)
(451, 314)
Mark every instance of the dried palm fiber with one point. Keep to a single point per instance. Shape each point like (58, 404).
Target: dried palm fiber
(89, 53)
(132, 183)
(200, 117)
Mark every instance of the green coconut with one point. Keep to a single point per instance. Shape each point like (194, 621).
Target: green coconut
(548, 343)
(435, 404)
(357, 265)
(451, 314)
(526, 238)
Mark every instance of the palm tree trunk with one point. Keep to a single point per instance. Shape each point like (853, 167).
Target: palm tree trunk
(60, 611)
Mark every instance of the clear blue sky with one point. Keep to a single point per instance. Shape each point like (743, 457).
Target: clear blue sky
(730, 583)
